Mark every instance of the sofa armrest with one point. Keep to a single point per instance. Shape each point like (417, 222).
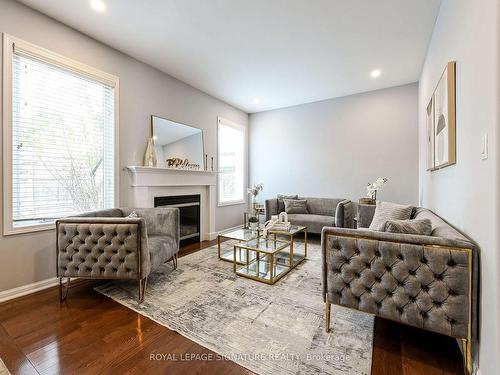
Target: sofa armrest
(271, 208)
(344, 217)
(102, 247)
(163, 221)
(423, 281)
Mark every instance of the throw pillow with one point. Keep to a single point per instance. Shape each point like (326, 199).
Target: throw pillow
(281, 203)
(416, 226)
(296, 206)
(386, 211)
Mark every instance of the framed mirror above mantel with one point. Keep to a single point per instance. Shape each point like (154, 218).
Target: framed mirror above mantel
(177, 145)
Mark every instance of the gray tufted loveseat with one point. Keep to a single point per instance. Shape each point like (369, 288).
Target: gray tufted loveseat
(108, 244)
(430, 282)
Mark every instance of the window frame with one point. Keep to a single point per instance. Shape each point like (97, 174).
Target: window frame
(224, 121)
(9, 44)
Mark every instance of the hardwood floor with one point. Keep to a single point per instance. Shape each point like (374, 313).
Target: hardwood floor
(92, 334)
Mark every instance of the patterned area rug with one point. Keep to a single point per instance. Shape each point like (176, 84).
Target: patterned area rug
(276, 329)
(3, 368)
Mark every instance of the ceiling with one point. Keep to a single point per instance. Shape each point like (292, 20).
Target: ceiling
(264, 54)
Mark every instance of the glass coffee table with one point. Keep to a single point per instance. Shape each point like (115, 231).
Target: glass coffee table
(240, 235)
(296, 255)
(267, 259)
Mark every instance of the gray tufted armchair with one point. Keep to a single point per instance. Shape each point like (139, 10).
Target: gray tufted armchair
(430, 282)
(110, 245)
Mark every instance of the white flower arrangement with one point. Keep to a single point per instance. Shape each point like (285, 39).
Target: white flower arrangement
(255, 190)
(372, 188)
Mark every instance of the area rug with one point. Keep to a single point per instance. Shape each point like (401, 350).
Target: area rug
(3, 368)
(276, 329)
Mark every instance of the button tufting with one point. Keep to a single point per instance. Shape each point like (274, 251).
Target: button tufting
(399, 256)
(412, 299)
(368, 265)
(388, 268)
(378, 279)
(452, 292)
(377, 253)
(425, 288)
(412, 272)
(424, 260)
(438, 276)
(451, 263)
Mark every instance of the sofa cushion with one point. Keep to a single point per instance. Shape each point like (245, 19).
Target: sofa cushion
(322, 206)
(296, 206)
(421, 227)
(389, 211)
(314, 223)
(281, 203)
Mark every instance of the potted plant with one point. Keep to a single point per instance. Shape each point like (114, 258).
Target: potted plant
(254, 222)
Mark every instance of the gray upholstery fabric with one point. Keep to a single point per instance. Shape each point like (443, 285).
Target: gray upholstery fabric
(271, 208)
(417, 280)
(415, 226)
(107, 244)
(389, 211)
(314, 223)
(344, 214)
(365, 215)
(338, 212)
(322, 206)
(296, 206)
(281, 202)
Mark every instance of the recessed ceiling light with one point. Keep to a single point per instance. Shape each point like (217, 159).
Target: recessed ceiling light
(256, 101)
(376, 73)
(98, 5)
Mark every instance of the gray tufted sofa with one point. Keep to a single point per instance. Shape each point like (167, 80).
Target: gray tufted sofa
(430, 282)
(108, 244)
(329, 212)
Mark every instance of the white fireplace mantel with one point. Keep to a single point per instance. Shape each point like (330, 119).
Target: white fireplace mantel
(147, 183)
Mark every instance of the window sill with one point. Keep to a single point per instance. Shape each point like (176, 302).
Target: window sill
(233, 203)
(30, 229)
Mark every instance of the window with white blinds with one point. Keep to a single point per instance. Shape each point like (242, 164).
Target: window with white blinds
(231, 159)
(63, 131)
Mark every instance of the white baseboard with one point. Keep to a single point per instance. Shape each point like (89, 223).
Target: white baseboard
(27, 289)
(213, 235)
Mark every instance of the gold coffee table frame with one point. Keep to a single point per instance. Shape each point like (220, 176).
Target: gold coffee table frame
(241, 235)
(294, 230)
(265, 266)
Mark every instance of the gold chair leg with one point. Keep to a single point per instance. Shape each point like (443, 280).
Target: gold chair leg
(327, 315)
(467, 352)
(63, 293)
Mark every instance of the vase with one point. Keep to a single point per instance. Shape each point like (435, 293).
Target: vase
(254, 226)
(150, 154)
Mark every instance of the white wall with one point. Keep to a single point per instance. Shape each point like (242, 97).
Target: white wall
(466, 194)
(144, 91)
(333, 148)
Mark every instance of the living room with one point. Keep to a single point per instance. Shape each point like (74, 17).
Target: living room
(269, 187)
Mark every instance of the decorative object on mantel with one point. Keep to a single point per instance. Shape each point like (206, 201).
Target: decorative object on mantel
(441, 121)
(212, 163)
(181, 164)
(254, 192)
(371, 190)
(206, 162)
(150, 154)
